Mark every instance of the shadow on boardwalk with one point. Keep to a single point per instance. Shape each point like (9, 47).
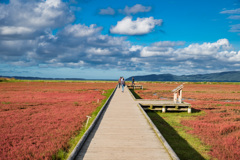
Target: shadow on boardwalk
(178, 144)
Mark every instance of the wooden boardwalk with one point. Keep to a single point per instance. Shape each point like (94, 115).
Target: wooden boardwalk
(123, 133)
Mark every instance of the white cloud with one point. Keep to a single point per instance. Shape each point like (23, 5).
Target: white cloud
(98, 51)
(26, 39)
(11, 30)
(234, 17)
(235, 56)
(136, 60)
(235, 28)
(168, 43)
(107, 11)
(76, 65)
(162, 48)
(205, 48)
(194, 58)
(33, 17)
(139, 27)
(135, 9)
(199, 54)
(156, 51)
(79, 30)
(233, 11)
(135, 48)
(53, 3)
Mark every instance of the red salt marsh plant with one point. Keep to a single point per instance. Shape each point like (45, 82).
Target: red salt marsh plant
(219, 126)
(39, 118)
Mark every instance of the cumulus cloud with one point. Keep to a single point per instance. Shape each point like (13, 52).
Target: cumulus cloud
(91, 49)
(135, 48)
(194, 50)
(141, 26)
(12, 30)
(79, 30)
(30, 19)
(156, 51)
(162, 48)
(98, 51)
(205, 48)
(135, 9)
(200, 58)
(107, 11)
(26, 37)
(26, 42)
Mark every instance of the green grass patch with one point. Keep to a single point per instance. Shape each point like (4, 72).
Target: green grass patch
(76, 103)
(64, 154)
(200, 91)
(185, 145)
(6, 102)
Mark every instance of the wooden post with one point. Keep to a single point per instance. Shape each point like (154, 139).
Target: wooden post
(163, 109)
(189, 110)
(87, 121)
(175, 97)
(151, 107)
(180, 96)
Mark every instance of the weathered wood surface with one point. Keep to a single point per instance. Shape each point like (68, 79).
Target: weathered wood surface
(178, 88)
(166, 105)
(135, 86)
(123, 133)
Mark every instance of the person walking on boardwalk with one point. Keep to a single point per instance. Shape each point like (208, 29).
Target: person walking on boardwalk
(123, 84)
(119, 82)
(133, 81)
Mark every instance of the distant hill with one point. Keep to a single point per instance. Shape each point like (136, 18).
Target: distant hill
(233, 76)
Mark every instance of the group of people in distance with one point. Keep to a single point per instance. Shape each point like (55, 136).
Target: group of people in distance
(121, 82)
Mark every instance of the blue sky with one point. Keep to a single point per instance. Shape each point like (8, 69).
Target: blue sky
(105, 39)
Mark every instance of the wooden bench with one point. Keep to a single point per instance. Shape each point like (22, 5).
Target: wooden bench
(170, 106)
(135, 86)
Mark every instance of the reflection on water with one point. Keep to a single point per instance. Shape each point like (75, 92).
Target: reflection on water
(189, 99)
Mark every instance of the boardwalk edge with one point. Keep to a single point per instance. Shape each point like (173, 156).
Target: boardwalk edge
(169, 149)
(81, 142)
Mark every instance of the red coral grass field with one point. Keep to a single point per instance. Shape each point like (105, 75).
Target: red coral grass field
(219, 126)
(39, 118)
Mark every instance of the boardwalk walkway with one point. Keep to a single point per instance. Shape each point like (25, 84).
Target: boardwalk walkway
(123, 133)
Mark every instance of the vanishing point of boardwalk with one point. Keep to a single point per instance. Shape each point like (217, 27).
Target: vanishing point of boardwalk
(123, 133)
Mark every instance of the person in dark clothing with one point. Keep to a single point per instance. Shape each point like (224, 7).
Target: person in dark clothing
(119, 82)
(133, 81)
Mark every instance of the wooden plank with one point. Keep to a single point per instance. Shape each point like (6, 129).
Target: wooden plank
(178, 88)
(134, 86)
(123, 133)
